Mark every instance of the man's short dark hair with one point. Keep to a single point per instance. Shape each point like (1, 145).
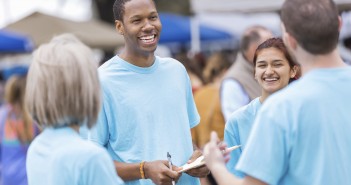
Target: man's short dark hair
(313, 23)
(250, 36)
(118, 9)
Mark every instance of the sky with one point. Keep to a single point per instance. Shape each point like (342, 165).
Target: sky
(13, 10)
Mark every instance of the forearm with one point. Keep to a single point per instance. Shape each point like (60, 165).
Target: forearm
(128, 171)
(224, 177)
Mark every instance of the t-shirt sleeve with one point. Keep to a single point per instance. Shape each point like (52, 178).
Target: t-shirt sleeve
(266, 154)
(100, 171)
(193, 115)
(231, 138)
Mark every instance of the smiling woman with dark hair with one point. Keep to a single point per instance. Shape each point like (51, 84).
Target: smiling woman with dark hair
(274, 69)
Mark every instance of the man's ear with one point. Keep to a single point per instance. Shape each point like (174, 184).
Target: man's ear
(340, 23)
(292, 41)
(289, 41)
(119, 27)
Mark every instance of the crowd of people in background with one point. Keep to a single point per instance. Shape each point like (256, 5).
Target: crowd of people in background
(139, 119)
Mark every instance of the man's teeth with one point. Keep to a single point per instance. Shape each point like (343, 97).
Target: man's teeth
(148, 39)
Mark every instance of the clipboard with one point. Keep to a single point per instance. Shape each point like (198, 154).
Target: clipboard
(200, 161)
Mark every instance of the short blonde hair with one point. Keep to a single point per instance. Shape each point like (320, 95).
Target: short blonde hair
(62, 86)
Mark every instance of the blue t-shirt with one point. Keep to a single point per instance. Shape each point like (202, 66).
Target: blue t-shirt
(237, 130)
(301, 134)
(60, 157)
(146, 113)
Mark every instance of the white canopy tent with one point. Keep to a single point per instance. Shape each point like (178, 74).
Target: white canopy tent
(246, 6)
(235, 16)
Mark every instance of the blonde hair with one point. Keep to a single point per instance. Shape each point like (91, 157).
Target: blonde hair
(14, 95)
(63, 87)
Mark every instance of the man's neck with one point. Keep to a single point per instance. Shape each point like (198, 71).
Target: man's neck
(310, 62)
(138, 60)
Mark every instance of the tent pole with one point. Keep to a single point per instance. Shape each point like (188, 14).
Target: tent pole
(195, 35)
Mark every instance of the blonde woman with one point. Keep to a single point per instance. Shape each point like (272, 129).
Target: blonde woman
(62, 95)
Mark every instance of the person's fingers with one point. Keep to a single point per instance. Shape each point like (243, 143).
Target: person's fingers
(172, 174)
(176, 168)
(226, 158)
(214, 137)
(196, 154)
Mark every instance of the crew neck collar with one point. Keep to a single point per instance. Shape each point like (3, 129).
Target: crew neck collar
(137, 69)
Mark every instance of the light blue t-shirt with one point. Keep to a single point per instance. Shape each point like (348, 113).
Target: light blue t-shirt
(237, 130)
(146, 113)
(60, 157)
(301, 134)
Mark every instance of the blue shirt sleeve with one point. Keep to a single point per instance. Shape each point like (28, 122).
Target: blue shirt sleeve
(266, 154)
(231, 137)
(193, 115)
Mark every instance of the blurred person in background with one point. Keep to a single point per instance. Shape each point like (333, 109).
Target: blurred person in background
(2, 89)
(345, 50)
(301, 134)
(239, 86)
(16, 133)
(193, 67)
(62, 94)
(274, 70)
(208, 104)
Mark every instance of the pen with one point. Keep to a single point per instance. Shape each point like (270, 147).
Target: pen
(170, 164)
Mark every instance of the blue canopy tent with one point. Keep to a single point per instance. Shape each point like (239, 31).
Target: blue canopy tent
(177, 28)
(14, 43)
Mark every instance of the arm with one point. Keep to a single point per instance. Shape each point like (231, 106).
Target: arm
(216, 163)
(157, 171)
(232, 96)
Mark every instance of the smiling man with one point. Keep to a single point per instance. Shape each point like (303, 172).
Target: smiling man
(148, 108)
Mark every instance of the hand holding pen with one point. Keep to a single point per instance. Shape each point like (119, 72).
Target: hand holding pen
(170, 164)
(159, 172)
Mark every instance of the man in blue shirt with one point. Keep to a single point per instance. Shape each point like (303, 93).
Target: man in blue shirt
(148, 108)
(302, 133)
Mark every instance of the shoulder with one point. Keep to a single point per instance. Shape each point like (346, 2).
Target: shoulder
(231, 84)
(289, 95)
(237, 116)
(170, 62)
(83, 152)
(108, 64)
